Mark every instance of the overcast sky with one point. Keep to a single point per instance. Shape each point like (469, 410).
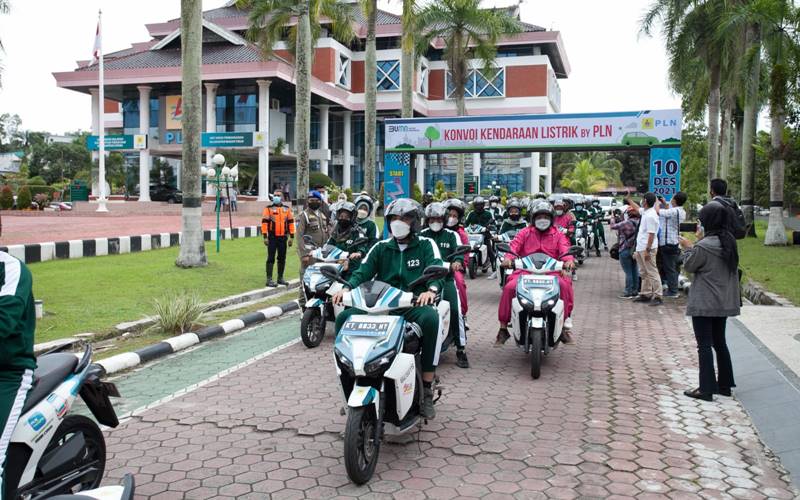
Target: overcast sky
(613, 68)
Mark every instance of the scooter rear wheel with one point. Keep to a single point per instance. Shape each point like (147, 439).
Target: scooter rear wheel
(362, 443)
(312, 327)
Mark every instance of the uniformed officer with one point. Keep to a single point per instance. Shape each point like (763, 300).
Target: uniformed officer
(277, 227)
(314, 223)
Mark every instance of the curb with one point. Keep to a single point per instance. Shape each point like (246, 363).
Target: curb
(759, 295)
(77, 249)
(172, 345)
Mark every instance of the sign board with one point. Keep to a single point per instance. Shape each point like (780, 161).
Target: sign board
(396, 179)
(227, 140)
(117, 142)
(470, 185)
(665, 171)
(633, 129)
(174, 112)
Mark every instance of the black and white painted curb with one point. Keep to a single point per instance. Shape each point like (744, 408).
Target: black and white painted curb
(76, 249)
(172, 345)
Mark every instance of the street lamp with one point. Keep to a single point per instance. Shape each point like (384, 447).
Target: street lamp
(222, 176)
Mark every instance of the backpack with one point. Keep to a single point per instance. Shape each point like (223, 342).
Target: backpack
(738, 224)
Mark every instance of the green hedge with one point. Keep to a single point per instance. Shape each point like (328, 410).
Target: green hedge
(24, 198)
(6, 198)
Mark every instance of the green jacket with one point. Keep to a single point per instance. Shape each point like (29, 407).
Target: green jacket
(484, 218)
(370, 230)
(510, 225)
(17, 315)
(447, 241)
(386, 262)
(581, 215)
(345, 243)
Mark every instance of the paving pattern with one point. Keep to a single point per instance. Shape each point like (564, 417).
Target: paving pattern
(607, 419)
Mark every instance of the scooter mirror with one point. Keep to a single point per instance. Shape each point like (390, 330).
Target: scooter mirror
(460, 250)
(504, 247)
(431, 273)
(333, 275)
(359, 241)
(308, 240)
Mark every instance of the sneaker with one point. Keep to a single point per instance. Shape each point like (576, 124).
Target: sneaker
(626, 296)
(656, 301)
(461, 359)
(566, 337)
(282, 281)
(492, 276)
(466, 325)
(502, 337)
(642, 298)
(672, 295)
(427, 410)
(568, 323)
(574, 276)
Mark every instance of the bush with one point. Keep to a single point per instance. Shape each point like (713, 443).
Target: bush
(36, 181)
(177, 314)
(6, 198)
(41, 200)
(349, 193)
(317, 178)
(486, 192)
(24, 198)
(520, 194)
(45, 190)
(416, 193)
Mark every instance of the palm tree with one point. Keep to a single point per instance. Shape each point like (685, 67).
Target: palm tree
(609, 167)
(584, 177)
(268, 25)
(408, 58)
(370, 96)
(752, 106)
(468, 32)
(193, 250)
(5, 7)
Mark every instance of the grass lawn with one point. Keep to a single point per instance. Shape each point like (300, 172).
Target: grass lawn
(96, 293)
(777, 268)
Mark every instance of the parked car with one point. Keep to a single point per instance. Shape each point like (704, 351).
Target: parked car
(763, 212)
(162, 192)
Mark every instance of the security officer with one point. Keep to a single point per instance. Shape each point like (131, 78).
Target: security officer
(311, 222)
(365, 223)
(277, 227)
(17, 362)
(345, 235)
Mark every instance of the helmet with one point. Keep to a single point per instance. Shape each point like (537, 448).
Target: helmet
(514, 203)
(457, 205)
(540, 196)
(365, 200)
(539, 207)
(406, 206)
(560, 203)
(344, 206)
(494, 199)
(479, 200)
(435, 210)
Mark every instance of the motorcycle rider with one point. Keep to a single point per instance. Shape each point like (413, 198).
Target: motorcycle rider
(540, 236)
(455, 216)
(479, 215)
(513, 220)
(596, 211)
(345, 233)
(565, 222)
(364, 206)
(447, 241)
(496, 208)
(398, 261)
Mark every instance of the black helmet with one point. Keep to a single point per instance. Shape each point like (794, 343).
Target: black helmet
(539, 207)
(478, 200)
(406, 206)
(435, 210)
(344, 206)
(366, 201)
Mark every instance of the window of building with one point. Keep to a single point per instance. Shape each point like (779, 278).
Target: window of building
(130, 115)
(422, 84)
(237, 113)
(343, 70)
(480, 84)
(387, 43)
(388, 75)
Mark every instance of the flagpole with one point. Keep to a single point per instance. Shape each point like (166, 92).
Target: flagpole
(101, 206)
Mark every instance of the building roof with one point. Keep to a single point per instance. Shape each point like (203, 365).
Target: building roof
(222, 53)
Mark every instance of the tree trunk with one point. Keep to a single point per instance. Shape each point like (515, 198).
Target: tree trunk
(461, 110)
(302, 93)
(193, 250)
(749, 123)
(713, 120)
(776, 231)
(407, 87)
(737, 121)
(370, 97)
(725, 139)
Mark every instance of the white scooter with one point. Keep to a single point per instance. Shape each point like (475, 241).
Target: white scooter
(52, 452)
(319, 308)
(479, 257)
(504, 238)
(537, 311)
(377, 359)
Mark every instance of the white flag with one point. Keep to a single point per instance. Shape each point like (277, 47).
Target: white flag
(98, 45)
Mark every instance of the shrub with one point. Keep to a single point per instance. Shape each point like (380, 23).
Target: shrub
(36, 181)
(520, 194)
(24, 198)
(416, 192)
(6, 198)
(317, 178)
(45, 190)
(177, 314)
(349, 193)
(41, 199)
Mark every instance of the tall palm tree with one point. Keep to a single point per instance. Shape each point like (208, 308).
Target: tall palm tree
(584, 177)
(370, 96)
(408, 58)
(193, 250)
(5, 7)
(468, 32)
(611, 168)
(268, 25)
(752, 106)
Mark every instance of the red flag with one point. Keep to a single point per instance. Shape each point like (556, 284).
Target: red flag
(97, 45)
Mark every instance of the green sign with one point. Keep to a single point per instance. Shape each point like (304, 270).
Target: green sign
(228, 139)
(112, 142)
(470, 185)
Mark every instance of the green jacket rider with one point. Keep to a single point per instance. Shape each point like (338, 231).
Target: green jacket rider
(364, 207)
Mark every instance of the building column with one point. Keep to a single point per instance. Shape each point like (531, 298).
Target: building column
(421, 172)
(347, 119)
(476, 169)
(211, 126)
(548, 166)
(535, 173)
(323, 135)
(95, 131)
(263, 149)
(144, 154)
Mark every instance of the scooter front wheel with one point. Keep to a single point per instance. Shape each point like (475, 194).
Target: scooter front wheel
(312, 327)
(473, 269)
(536, 337)
(361, 443)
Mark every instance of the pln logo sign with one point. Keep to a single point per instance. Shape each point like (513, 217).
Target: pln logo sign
(648, 123)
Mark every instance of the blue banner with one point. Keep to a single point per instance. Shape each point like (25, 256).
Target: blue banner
(665, 171)
(396, 179)
(227, 140)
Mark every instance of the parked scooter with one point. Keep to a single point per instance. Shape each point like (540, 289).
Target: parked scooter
(537, 311)
(52, 452)
(480, 251)
(377, 358)
(319, 308)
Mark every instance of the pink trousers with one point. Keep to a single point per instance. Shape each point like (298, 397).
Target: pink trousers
(461, 285)
(510, 290)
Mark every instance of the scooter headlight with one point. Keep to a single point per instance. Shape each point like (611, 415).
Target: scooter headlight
(343, 360)
(380, 363)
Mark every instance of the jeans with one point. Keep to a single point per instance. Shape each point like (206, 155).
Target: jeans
(670, 257)
(710, 332)
(631, 270)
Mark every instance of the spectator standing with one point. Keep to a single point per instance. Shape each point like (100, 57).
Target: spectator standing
(669, 228)
(234, 200)
(277, 227)
(713, 297)
(646, 250)
(627, 230)
(311, 222)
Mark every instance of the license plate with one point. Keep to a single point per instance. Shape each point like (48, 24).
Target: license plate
(364, 328)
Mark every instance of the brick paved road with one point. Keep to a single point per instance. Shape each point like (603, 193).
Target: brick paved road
(606, 420)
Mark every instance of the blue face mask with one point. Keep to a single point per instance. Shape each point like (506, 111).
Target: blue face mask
(276, 200)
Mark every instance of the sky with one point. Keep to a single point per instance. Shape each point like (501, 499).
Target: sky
(613, 68)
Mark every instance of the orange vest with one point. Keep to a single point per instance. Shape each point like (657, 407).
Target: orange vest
(277, 221)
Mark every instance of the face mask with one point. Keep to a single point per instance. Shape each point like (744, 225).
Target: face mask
(513, 216)
(400, 229)
(276, 200)
(313, 205)
(324, 196)
(436, 226)
(579, 207)
(344, 223)
(494, 205)
(363, 214)
(542, 224)
(559, 212)
(452, 221)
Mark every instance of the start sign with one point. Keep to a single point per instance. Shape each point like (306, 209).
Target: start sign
(665, 171)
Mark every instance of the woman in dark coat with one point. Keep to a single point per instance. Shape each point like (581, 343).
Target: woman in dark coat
(713, 297)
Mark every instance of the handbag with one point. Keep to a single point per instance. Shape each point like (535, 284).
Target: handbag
(614, 252)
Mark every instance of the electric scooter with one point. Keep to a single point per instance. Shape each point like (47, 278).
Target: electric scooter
(503, 238)
(581, 239)
(537, 311)
(319, 308)
(378, 361)
(52, 452)
(480, 251)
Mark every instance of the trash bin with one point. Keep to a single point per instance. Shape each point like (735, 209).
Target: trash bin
(78, 191)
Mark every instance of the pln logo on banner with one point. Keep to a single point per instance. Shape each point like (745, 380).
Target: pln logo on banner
(648, 123)
(174, 112)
